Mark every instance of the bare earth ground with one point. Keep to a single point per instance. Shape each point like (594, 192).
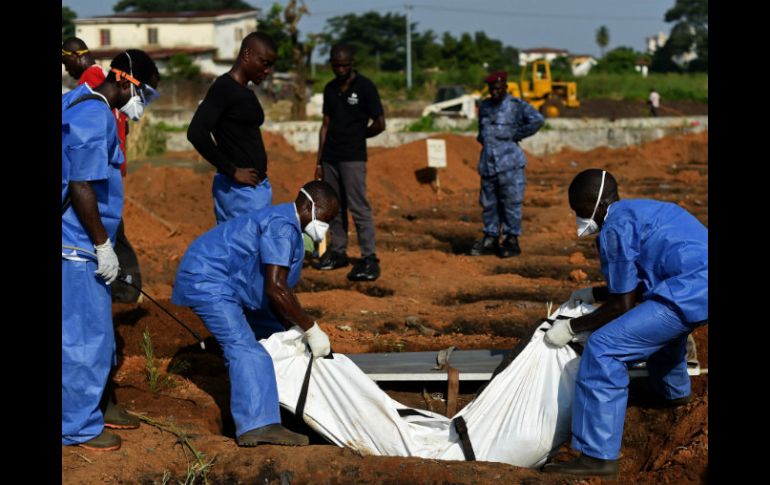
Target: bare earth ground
(422, 239)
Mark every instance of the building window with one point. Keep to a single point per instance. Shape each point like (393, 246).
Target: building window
(152, 36)
(104, 36)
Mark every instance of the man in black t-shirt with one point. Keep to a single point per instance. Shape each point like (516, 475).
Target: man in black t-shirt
(350, 101)
(232, 114)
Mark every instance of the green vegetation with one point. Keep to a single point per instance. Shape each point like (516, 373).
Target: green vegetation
(181, 66)
(629, 85)
(428, 123)
(145, 139)
(197, 467)
(634, 87)
(67, 24)
(156, 379)
(163, 126)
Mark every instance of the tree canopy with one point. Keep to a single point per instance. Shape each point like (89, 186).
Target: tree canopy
(178, 5)
(379, 40)
(688, 34)
(67, 27)
(602, 38)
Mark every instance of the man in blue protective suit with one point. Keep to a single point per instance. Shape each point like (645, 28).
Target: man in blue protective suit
(92, 204)
(238, 278)
(225, 131)
(654, 258)
(503, 122)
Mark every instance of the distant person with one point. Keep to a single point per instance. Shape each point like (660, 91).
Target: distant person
(654, 102)
(80, 64)
(232, 114)
(654, 258)
(503, 122)
(350, 101)
(238, 278)
(92, 206)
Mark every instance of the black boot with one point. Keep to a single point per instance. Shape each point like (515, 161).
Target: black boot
(510, 246)
(331, 260)
(366, 269)
(487, 245)
(584, 466)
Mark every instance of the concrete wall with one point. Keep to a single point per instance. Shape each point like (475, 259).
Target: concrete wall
(582, 135)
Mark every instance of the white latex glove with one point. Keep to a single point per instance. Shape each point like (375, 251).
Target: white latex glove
(586, 295)
(108, 262)
(560, 333)
(318, 341)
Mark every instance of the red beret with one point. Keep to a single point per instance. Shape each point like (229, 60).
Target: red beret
(497, 76)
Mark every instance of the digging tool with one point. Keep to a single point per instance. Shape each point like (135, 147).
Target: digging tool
(127, 279)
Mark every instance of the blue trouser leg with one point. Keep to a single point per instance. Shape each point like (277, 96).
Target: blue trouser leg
(510, 198)
(88, 346)
(601, 389)
(253, 391)
(489, 205)
(232, 199)
(668, 370)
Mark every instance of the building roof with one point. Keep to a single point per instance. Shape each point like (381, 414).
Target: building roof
(162, 53)
(187, 16)
(544, 50)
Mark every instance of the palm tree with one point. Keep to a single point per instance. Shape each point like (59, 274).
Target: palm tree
(602, 37)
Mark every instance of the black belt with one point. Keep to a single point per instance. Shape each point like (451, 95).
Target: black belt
(299, 409)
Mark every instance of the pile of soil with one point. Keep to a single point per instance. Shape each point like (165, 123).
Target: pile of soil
(423, 235)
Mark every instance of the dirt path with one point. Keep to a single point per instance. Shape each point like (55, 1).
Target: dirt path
(422, 239)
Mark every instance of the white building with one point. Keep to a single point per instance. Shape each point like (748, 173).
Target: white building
(656, 42)
(211, 38)
(528, 55)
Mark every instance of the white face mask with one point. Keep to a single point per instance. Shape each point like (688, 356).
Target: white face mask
(315, 229)
(586, 227)
(134, 108)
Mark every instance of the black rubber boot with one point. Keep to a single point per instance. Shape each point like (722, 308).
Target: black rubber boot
(486, 245)
(584, 466)
(510, 247)
(116, 417)
(106, 441)
(272, 434)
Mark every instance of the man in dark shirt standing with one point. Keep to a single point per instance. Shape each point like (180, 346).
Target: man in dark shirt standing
(232, 114)
(350, 101)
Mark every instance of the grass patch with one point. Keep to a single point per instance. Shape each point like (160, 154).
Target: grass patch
(156, 378)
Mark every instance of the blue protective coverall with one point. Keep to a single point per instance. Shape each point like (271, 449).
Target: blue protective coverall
(232, 199)
(90, 152)
(222, 278)
(502, 162)
(663, 248)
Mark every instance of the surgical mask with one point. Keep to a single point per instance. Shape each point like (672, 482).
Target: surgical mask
(315, 229)
(134, 108)
(586, 227)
